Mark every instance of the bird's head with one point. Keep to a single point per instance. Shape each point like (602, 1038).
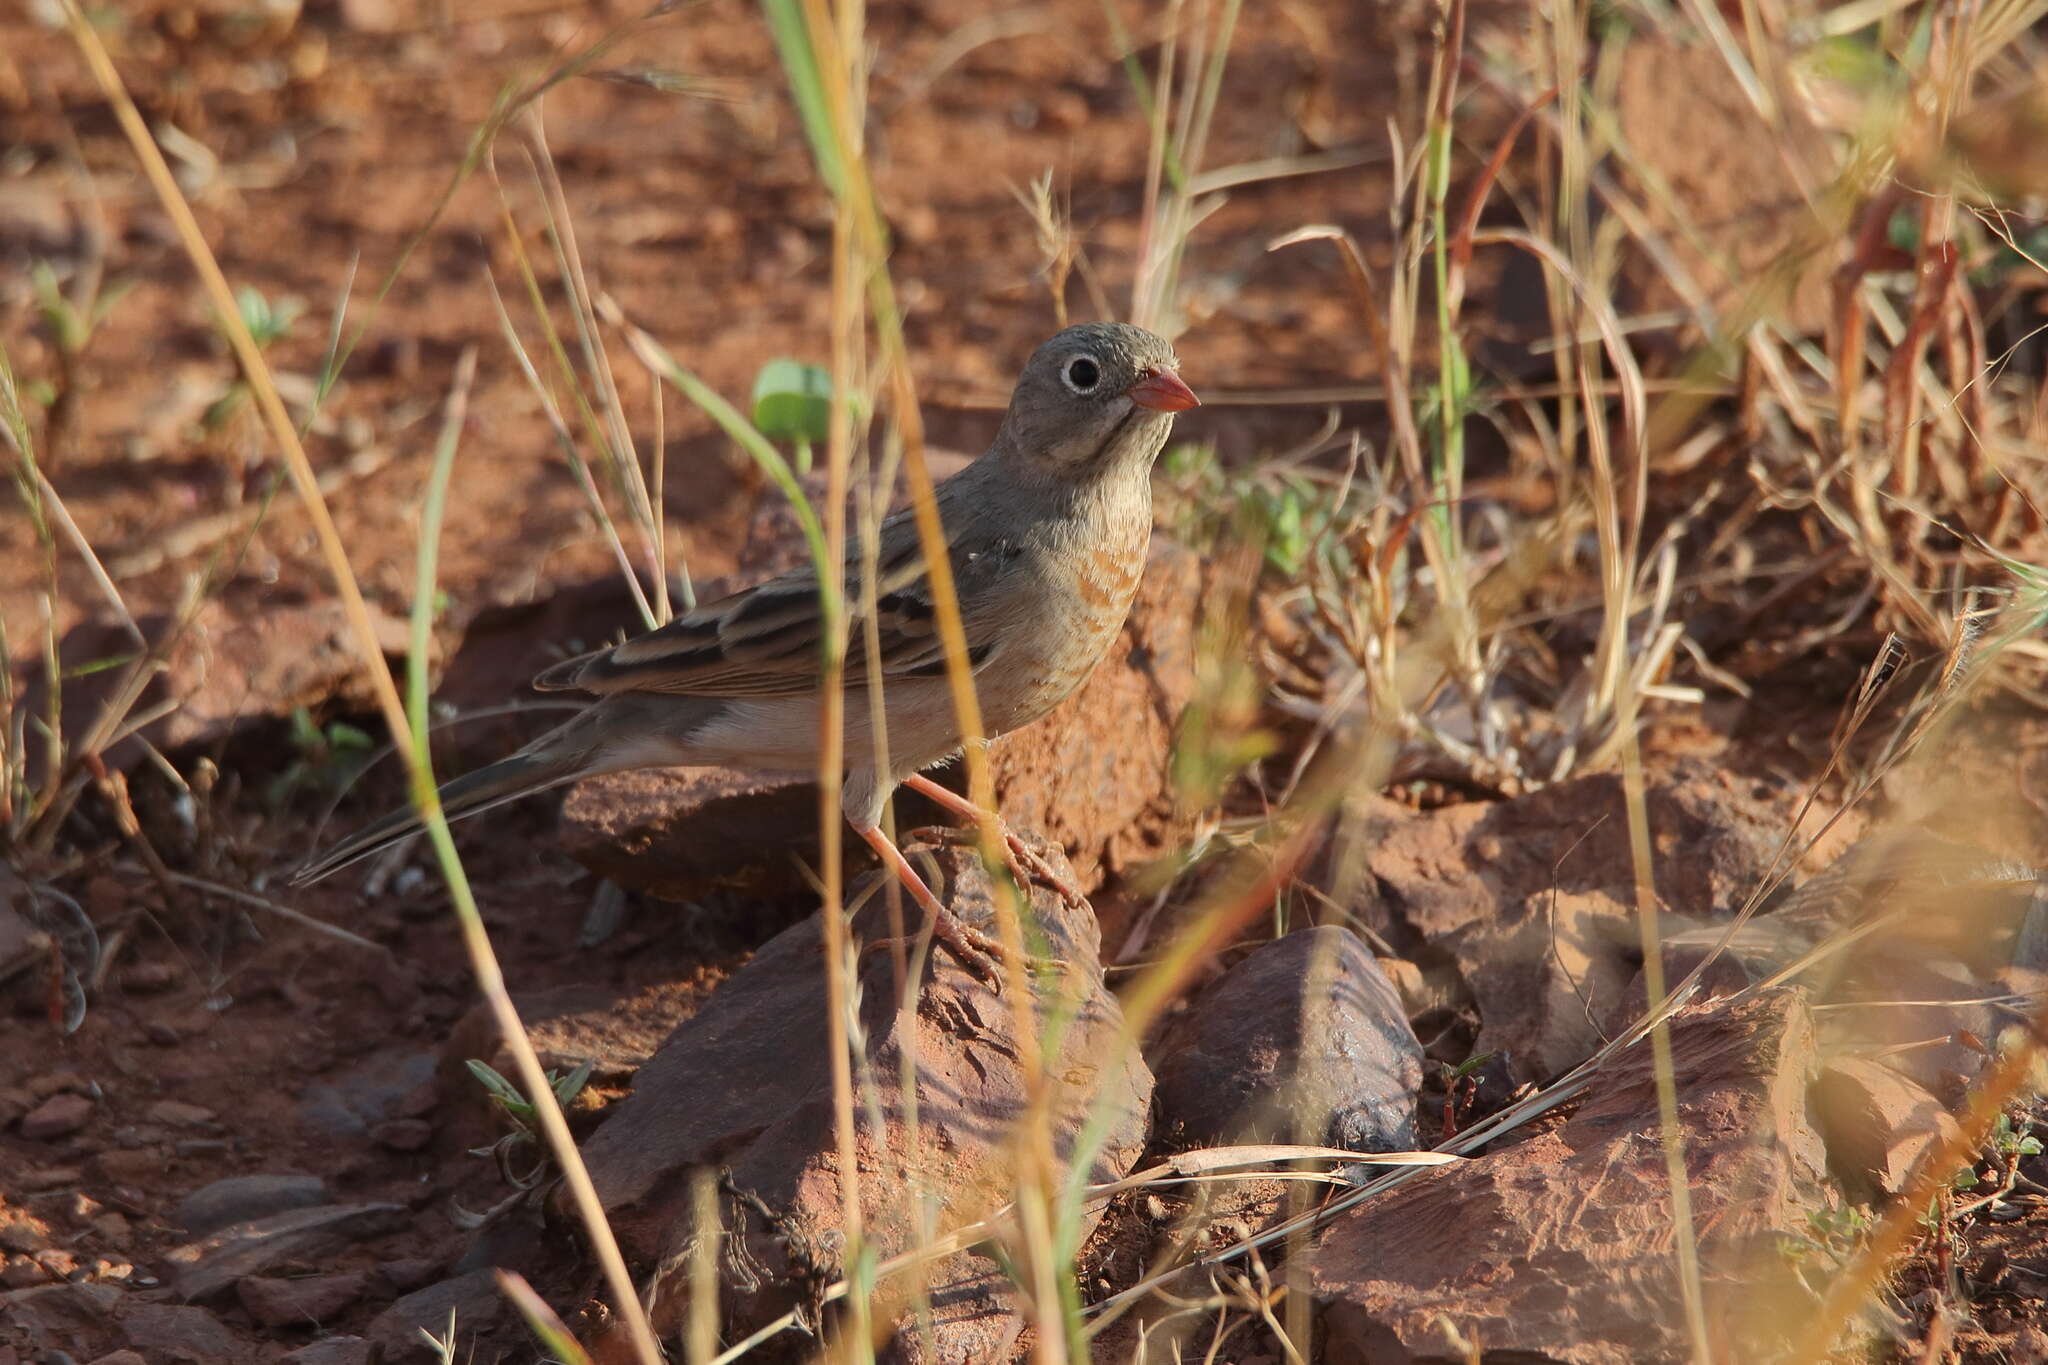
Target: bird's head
(1095, 397)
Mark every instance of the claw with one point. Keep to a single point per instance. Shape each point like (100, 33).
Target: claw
(974, 950)
(1026, 864)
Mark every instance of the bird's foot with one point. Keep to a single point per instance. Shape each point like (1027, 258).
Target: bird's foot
(1026, 863)
(975, 950)
(970, 947)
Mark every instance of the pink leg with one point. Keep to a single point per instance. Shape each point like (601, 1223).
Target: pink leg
(976, 951)
(1024, 861)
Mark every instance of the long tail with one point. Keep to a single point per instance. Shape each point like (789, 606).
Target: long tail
(548, 762)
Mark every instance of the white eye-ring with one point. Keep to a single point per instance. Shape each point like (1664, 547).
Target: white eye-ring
(1081, 374)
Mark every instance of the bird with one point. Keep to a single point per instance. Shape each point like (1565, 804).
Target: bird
(1047, 533)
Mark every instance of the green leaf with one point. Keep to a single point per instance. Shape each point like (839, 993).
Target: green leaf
(792, 401)
(305, 734)
(570, 1086)
(502, 1090)
(341, 735)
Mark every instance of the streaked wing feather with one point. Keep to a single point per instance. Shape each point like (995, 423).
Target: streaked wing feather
(763, 641)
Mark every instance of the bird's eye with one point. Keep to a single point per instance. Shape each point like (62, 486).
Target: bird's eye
(1082, 374)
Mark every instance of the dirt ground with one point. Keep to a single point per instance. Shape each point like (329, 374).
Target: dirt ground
(224, 1040)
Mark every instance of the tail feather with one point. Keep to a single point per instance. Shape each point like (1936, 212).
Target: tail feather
(523, 774)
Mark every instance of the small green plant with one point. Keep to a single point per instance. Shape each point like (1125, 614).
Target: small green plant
(2012, 1144)
(268, 324)
(324, 759)
(1461, 1088)
(519, 1111)
(792, 402)
(72, 320)
(1834, 1233)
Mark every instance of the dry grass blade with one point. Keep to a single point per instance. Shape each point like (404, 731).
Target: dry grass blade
(257, 373)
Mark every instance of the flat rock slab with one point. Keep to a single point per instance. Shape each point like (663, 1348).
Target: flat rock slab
(1092, 777)
(479, 1311)
(1304, 1040)
(1534, 899)
(1878, 1124)
(210, 1265)
(244, 656)
(742, 1092)
(244, 1198)
(1561, 1248)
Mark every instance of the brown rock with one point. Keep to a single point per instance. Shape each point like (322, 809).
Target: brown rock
(1560, 1248)
(66, 1314)
(120, 1358)
(304, 1302)
(244, 1198)
(173, 1335)
(977, 1316)
(409, 1273)
(743, 1087)
(1092, 777)
(148, 978)
(178, 1114)
(245, 656)
(23, 1233)
(131, 1165)
(1728, 972)
(473, 1299)
(61, 1264)
(1876, 1122)
(22, 1272)
(1534, 898)
(571, 1025)
(203, 1268)
(1301, 1041)
(402, 1135)
(56, 1117)
(332, 1351)
(58, 1083)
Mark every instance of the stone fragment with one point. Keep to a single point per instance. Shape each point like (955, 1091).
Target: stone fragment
(244, 1198)
(56, 1117)
(203, 1268)
(1302, 1041)
(408, 1273)
(178, 1114)
(473, 1298)
(1559, 1247)
(1877, 1123)
(1533, 899)
(332, 1351)
(168, 1334)
(245, 656)
(743, 1086)
(402, 1135)
(304, 1302)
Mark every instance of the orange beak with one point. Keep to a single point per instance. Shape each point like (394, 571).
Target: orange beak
(1162, 391)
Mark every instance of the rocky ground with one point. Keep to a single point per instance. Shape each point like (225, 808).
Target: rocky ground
(240, 1124)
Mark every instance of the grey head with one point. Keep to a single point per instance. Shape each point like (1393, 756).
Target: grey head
(1096, 398)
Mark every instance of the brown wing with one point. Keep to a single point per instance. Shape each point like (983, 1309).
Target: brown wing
(765, 641)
